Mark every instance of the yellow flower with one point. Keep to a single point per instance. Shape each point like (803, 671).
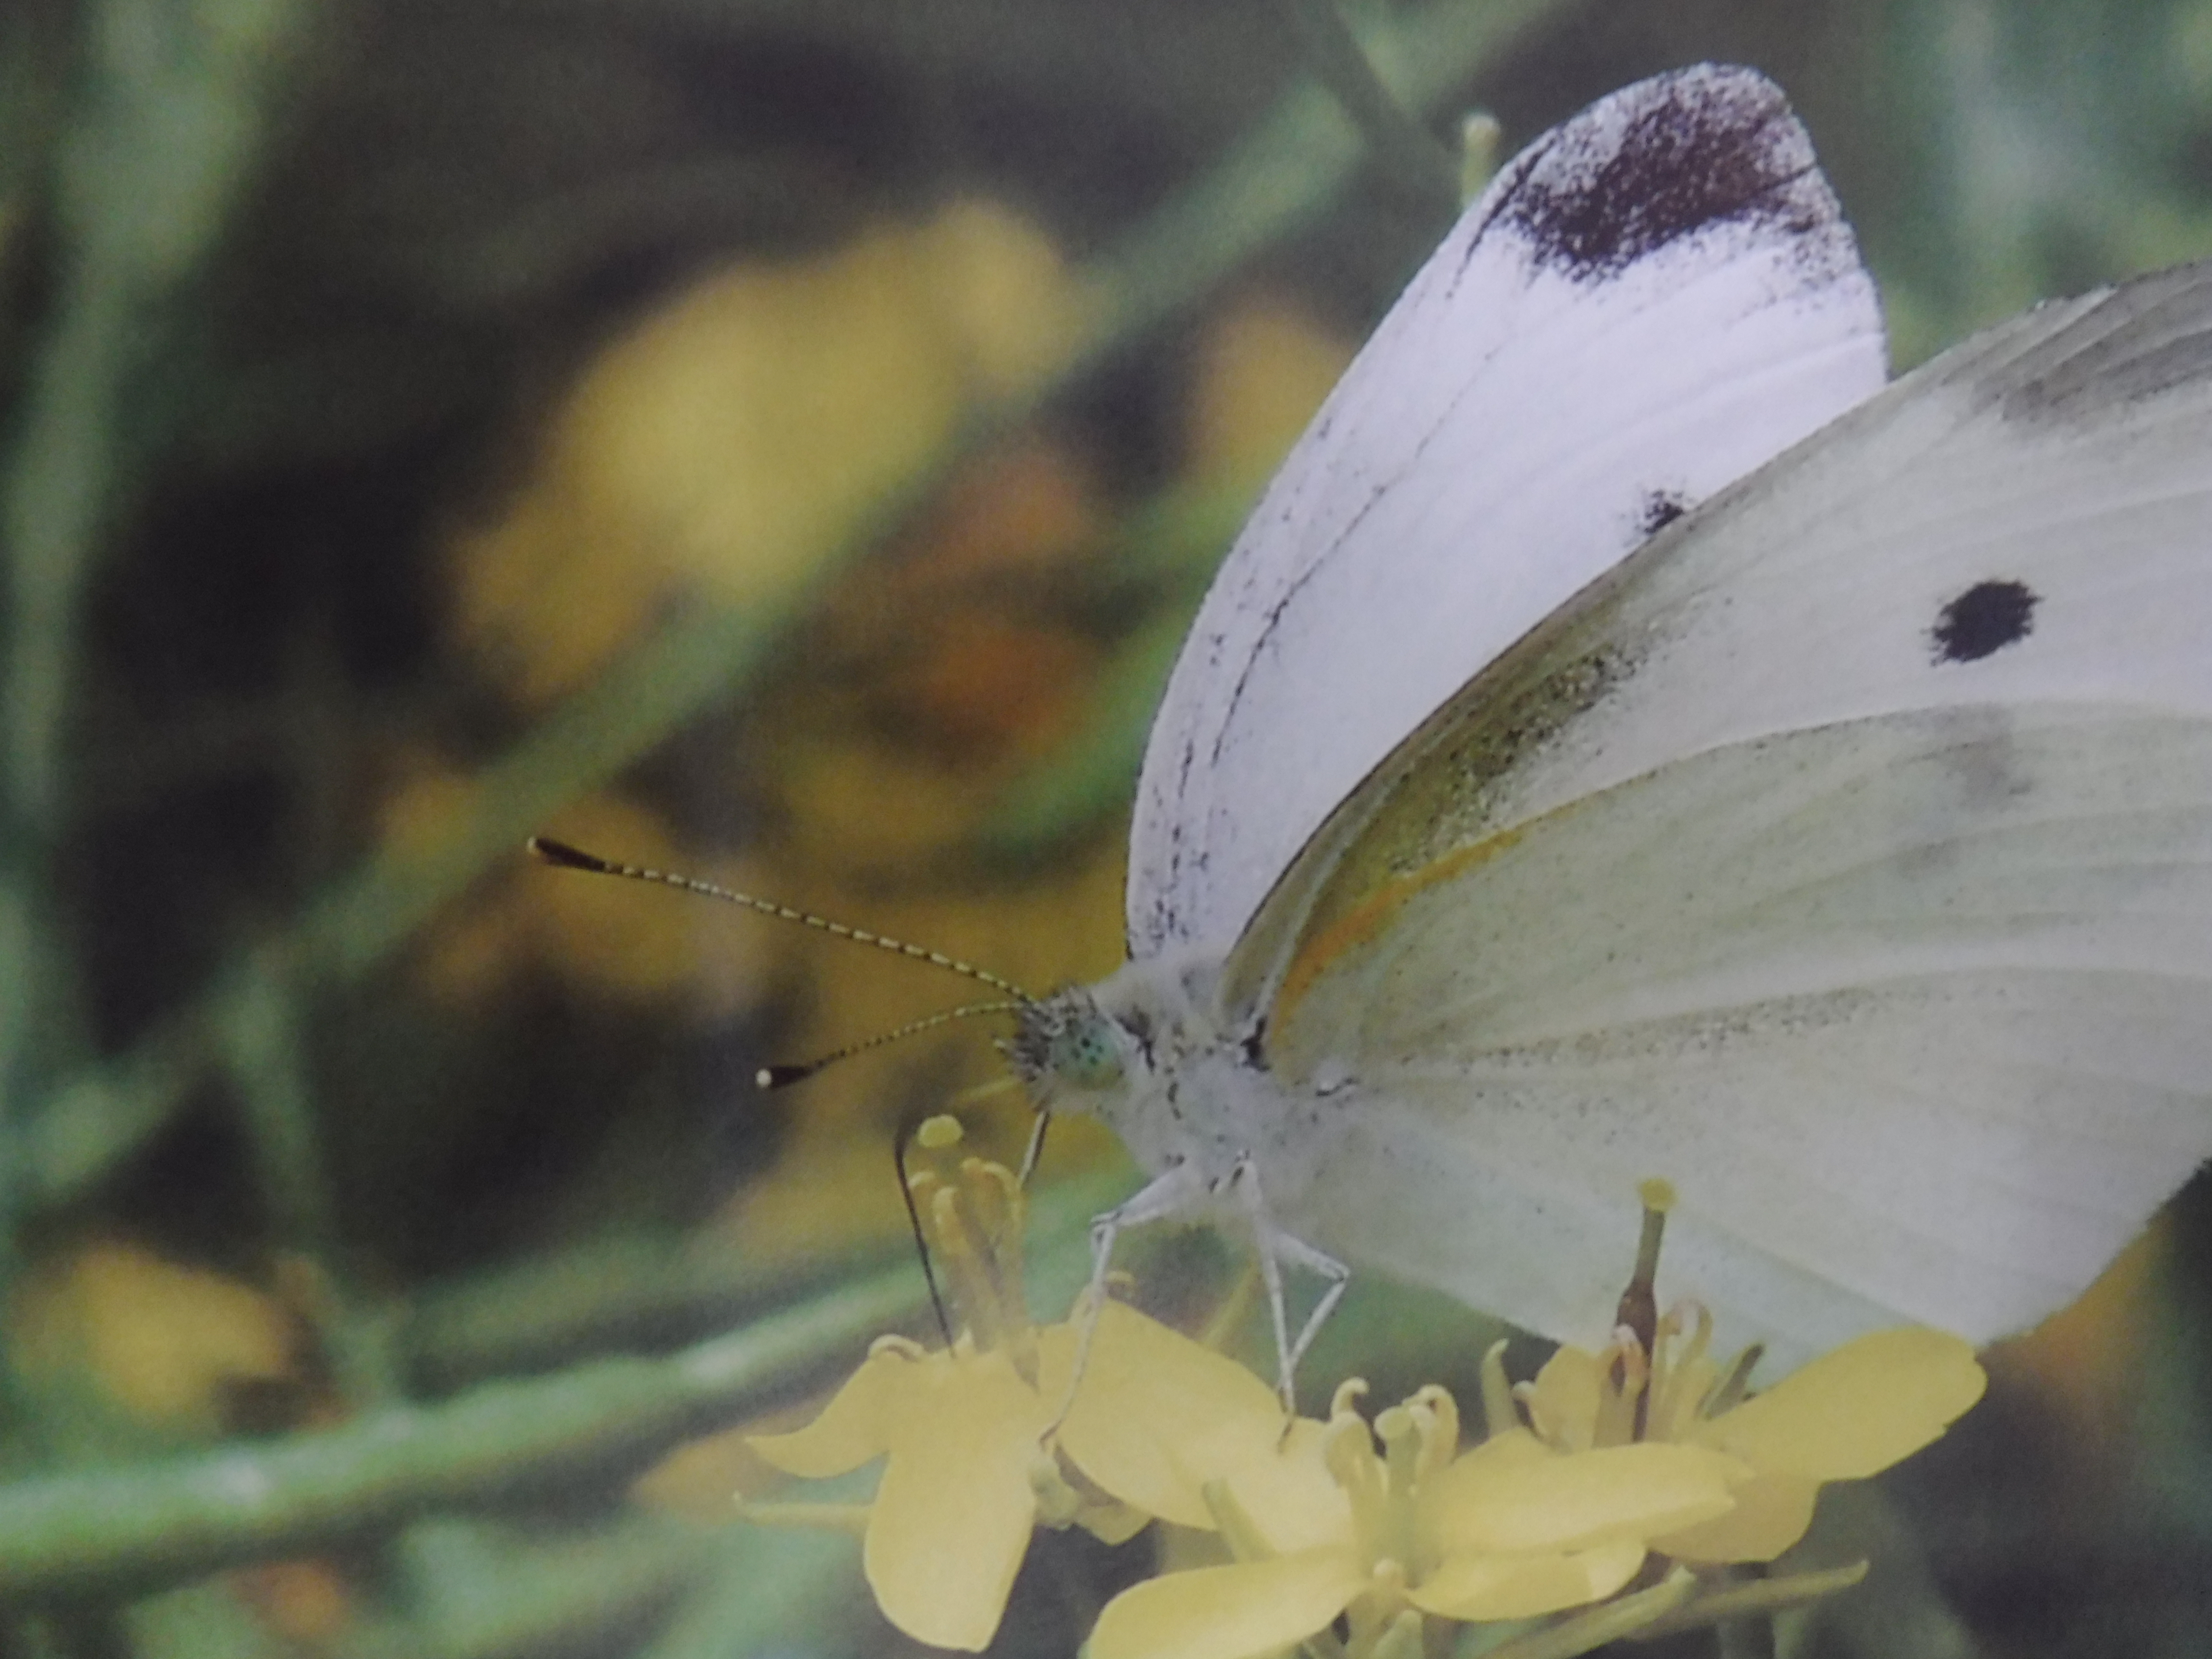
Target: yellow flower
(1323, 1526)
(969, 1473)
(1848, 1414)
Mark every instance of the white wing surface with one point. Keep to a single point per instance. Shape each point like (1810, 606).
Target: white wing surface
(1650, 302)
(1843, 856)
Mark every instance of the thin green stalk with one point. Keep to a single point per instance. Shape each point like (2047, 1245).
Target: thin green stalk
(1333, 51)
(153, 1524)
(149, 166)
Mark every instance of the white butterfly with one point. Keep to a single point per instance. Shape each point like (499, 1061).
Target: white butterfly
(1572, 777)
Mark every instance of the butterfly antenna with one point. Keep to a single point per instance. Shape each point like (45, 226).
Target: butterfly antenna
(559, 853)
(899, 1142)
(782, 1076)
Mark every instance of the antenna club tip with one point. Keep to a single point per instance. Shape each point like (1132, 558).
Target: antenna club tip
(782, 1076)
(565, 856)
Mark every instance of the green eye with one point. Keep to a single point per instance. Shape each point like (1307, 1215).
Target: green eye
(1086, 1056)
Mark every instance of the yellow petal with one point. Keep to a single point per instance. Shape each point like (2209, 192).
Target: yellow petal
(1518, 1504)
(1287, 1490)
(1235, 1611)
(1473, 1588)
(1510, 1449)
(1113, 1522)
(1851, 1412)
(953, 1515)
(857, 1423)
(1009, 293)
(1771, 1514)
(1155, 1416)
(1562, 1399)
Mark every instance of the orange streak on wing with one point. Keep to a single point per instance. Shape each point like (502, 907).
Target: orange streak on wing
(1366, 922)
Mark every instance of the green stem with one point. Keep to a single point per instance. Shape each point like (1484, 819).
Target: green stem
(149, 167)
(1398, 141)
(157, 1523)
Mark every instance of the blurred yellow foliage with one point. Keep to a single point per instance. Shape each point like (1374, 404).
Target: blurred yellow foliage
(942, 669)
(733, 438)
(161, 1339)
(1263, 366)
(1012, 301)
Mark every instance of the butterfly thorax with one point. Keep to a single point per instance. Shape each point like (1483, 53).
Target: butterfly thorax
(1148, 1054)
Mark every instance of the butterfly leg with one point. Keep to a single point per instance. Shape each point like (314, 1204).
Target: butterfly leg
(1175, 1192)
(1276, 1247)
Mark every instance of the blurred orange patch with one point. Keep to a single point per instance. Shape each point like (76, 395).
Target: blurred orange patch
(979, 671)
(304, 1601)
(2088, 1355)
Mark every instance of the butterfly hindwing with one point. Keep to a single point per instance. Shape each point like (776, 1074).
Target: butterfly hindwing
(1843, 856)
(1649, 302)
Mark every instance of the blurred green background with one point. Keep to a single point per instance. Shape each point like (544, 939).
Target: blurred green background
(782, 440)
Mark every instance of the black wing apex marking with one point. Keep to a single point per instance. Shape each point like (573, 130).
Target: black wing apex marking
(1665, 160)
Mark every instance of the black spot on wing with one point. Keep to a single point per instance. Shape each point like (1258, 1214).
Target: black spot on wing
(1984, 620)
(1660, 508)
(1662, 160)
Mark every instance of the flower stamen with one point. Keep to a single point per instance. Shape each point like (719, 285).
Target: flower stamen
(1401, 1434)
(971, 1214)
(1730, 1391)
(1621, 1403)
(1501, 1402)
(1348, 1453)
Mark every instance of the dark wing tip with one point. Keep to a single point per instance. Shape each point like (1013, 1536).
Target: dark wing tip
(1660, 162)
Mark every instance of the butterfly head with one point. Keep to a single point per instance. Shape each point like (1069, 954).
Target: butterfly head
(1071, 1053)
(1136, 1051)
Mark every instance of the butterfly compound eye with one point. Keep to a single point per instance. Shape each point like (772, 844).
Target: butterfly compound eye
(1084, 1054)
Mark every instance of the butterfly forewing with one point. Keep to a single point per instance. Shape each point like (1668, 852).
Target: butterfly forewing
(1845, 856)
(1650, 302)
